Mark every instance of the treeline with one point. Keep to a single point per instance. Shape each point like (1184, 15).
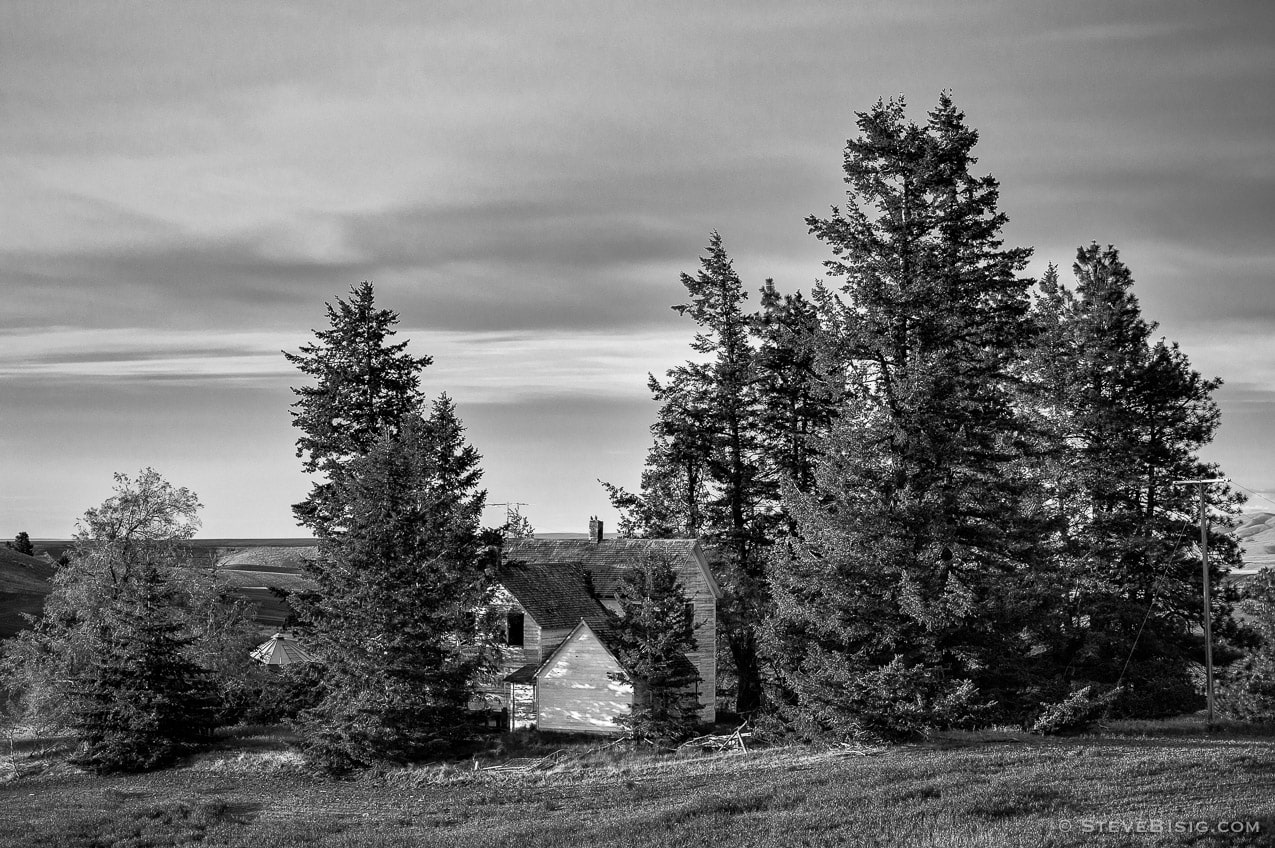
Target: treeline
(936, 493)
(940, 493)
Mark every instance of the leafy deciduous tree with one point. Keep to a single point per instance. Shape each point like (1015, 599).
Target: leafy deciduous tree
(111, 656)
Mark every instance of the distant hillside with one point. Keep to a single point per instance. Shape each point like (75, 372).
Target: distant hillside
(251, 567)
(252, 570)
(24, 583)
(198, 548)
(1256, 532)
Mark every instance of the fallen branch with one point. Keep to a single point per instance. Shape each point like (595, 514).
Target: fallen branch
(854, 749)
(721, 742)
(528, 763)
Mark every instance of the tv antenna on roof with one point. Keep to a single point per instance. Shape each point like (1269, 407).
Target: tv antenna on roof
(512, 511)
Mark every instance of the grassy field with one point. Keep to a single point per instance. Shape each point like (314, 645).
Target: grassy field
(976, 790)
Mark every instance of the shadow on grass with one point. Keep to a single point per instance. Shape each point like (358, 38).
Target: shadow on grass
(170, 823)
(1187, 725)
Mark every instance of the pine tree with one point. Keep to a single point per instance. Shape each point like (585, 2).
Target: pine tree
(900, 603)
(1128, 415)
(674, 490)
(651, 636)
(364, 385)
(140, 702)
(395, 617)
(705, 473)
(797, 386)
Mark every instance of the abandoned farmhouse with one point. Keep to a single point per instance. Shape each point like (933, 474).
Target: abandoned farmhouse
(556, 671)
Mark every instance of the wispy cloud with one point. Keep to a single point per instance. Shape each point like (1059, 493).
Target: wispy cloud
(483, 367)
(187, 184)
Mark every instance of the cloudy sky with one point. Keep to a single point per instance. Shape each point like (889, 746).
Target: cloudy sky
(184, 185)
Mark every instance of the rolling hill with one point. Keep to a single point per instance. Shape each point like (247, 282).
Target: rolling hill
(24, 583)
(1256, 532)
(251, 567)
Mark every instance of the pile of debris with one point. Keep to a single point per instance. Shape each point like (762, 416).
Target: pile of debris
(722, 742)
(523, 764)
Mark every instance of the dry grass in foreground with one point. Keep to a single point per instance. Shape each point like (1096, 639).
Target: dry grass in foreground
(961, 790)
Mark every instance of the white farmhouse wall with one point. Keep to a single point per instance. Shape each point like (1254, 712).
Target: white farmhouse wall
(576, 690)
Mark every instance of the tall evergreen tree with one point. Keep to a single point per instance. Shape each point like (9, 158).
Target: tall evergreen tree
(140, 700)
(902, 598)
(363, 385)
(400, 582)
(735, 521)
(1127, 415)
(704, 475)
(733, 428)
(798, 388)
(651, 636)
(674, 491)
(399, 575)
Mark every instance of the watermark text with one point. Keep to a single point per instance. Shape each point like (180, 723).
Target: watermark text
(1128, 826)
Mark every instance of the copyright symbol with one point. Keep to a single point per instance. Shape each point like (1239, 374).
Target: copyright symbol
(1064, 825)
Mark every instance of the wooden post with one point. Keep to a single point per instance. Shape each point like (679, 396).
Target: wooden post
(1208, 606)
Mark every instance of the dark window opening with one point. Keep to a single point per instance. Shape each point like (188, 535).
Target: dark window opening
(513, 629)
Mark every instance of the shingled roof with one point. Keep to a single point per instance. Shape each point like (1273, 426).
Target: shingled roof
(555, 594)
(605, 561)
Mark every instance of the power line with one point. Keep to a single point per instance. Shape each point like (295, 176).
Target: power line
(1155, 591)
(1253, 492)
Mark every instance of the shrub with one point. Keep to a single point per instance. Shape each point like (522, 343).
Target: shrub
(1247, 690)
(893, 703)
(1075, 713)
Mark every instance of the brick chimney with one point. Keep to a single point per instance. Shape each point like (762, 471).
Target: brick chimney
(595, 529)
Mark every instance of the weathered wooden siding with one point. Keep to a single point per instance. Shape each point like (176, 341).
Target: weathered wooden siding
(522, 705)
(512, 658)
(575, 691)
(532, 641)
(704, 657)
(551, 638)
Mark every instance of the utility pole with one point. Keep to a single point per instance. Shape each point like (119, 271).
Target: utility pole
(1208, 610)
